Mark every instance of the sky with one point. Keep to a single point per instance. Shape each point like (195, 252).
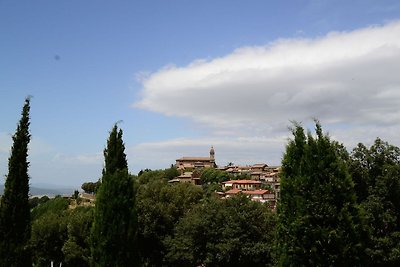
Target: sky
(181, 76)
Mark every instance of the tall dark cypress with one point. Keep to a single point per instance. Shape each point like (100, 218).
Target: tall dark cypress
(15, 225)
(318, 220)
(114, 227)
(114, 154)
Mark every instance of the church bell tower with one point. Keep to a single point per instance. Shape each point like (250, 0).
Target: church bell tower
(212, 155)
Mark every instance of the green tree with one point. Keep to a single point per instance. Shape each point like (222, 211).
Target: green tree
(49, 233)
(376, 171)
(114, 228)
(211, 179)
(90, 187)
(114, 154)
(160, 206)
(15, 225)
(318, 221)
(56, 205)
(171, 173)
(76, 249)
(219, 232)
(211, 175)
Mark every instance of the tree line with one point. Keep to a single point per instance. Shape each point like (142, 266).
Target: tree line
(336, 209)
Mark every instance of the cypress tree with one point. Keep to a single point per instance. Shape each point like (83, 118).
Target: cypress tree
(15, 225)
(114, 154)
(114, 228)
(318, 220)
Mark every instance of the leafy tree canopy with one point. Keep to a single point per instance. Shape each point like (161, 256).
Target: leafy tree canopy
(376, 171)
(160, 206)
(318, 220)
(232, 232)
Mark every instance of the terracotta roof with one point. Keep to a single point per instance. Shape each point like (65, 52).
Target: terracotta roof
(259, 165)
(185, 175)
(248, 192)
(242, 182)
(194, 159)
(233, 191)
(243, 167)
(256, 192)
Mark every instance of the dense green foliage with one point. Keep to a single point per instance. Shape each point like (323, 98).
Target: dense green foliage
(60, 234)
(171, 173)
(114, 228)
(15, 225)
(90, 187)
(76, 249)
(55, 205)
(35, 201)
(211, 180)
(160, 206)
(49, 232)
(210, 175)
(232, 232)
(376, 173)
(318, 219)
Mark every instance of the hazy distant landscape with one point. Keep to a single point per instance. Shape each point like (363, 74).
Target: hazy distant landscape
(45, 189)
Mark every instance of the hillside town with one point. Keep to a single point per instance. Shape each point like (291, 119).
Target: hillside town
(261, 184)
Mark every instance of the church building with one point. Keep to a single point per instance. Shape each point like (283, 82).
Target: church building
(185, 163)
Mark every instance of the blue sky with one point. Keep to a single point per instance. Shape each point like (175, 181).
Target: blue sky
(183, 75)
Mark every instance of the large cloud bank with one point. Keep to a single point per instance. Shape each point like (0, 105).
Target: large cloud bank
(350, 81)
(343, 77)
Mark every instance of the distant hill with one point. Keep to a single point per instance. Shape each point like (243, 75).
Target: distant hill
(40, 191)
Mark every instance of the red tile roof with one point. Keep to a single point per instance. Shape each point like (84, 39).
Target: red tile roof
(194, 159)
(260, 165)
(242, 182)
(257, 192)
(248, 192)
(233, 191)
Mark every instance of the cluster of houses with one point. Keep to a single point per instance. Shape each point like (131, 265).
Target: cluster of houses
(261, 184)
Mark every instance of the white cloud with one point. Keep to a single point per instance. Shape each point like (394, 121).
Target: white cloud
(347, 78)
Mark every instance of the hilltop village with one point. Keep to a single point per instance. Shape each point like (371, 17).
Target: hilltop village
(259, 181)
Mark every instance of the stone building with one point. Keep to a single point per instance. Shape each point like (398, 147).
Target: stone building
(192, 163)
